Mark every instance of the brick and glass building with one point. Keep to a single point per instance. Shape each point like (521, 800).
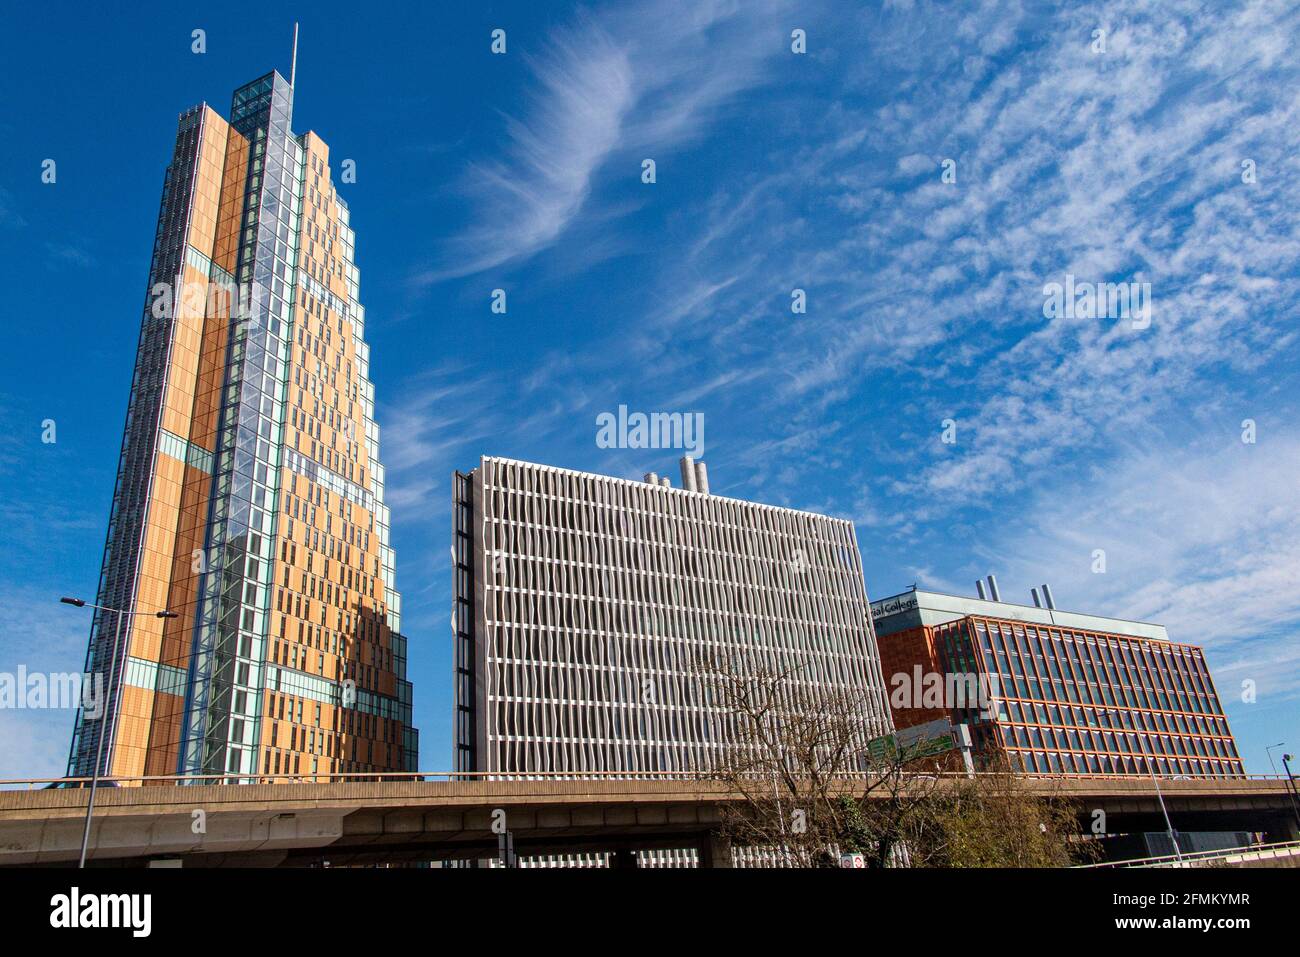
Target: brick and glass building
(586, 607)
(1070, 693)
(249, 498)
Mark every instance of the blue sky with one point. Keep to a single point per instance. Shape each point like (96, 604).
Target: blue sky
(775, 171)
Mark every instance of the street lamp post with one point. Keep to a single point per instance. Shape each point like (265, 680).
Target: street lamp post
(113, 669)
(1173, 835)
(1270, 749)
(1291, 785)
(1169, 827)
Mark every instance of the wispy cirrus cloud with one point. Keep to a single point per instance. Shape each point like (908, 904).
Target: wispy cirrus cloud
(1112, 165)
(10, 218)
(42, 637)
(441, 417)
(67, 254)
(1203, 537)
(584, 90)
(615, 80)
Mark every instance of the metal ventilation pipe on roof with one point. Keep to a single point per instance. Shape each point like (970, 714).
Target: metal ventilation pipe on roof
(979, 587)
(688, 473)
(1037, 603)
(994, 594)
(701, 478)
(666, 482)
(652, 478)
(1048, 599)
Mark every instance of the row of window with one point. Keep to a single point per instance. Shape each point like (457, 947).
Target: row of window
(290, 762)
(1062, 665)
(1072, 739)
(1053, 762)
(1118, 719)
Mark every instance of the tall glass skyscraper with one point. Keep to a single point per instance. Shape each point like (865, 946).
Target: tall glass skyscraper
(250, 497)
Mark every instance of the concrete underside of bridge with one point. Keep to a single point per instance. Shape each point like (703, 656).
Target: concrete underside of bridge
(304, 824)
(269, 825)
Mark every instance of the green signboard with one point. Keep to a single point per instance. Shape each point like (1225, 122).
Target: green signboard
(922, 740)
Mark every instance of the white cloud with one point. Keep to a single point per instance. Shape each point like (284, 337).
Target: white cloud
(9, 217)
(914, 164)
(641, 77)
(584, 90)
(1115, 166)
(1202, 537)
(42, 636)
(438, 425)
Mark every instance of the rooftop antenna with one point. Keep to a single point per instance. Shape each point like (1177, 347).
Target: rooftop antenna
(293, 66)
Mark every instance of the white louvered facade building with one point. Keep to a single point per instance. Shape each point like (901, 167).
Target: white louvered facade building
(586, 605)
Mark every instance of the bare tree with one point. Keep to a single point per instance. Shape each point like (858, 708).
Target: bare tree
(814, 780)
(798, 755)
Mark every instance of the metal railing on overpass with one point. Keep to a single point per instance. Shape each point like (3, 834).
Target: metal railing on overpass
(1198, 858)
(368, 777)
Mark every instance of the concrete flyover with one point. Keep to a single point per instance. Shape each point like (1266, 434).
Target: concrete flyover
(386, 818)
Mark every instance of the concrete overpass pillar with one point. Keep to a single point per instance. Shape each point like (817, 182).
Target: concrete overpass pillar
(715, 850)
